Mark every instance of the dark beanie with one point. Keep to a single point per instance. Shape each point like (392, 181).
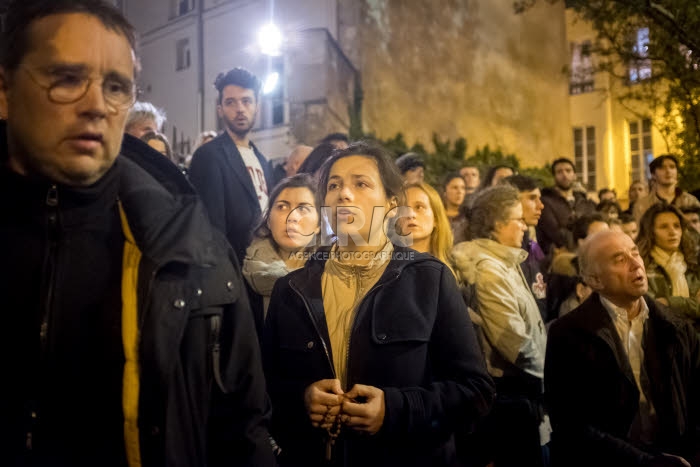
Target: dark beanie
(409, 161)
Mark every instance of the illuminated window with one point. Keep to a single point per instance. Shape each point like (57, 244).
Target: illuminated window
(641, 153)
(640, 66)
(584, 155)
(581, 68)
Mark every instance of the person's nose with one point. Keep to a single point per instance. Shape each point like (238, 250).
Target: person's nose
(294, 216)
(93, 103)
(345, 193)
(636, 262)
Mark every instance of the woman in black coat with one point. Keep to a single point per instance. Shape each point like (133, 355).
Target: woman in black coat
(369, 352)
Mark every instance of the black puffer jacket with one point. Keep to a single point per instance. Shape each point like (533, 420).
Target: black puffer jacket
(201, 393)
(411, 337)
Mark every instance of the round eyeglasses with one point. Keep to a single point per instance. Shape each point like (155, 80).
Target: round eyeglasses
(67, 87)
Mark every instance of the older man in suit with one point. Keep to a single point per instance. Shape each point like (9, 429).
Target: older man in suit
(622, 375)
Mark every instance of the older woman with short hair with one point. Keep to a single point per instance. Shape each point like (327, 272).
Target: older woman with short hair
(513, 334)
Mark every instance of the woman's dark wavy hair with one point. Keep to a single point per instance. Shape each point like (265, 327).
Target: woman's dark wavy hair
(389, 173)
(491, 172)
(262, 230)
(316, 158)
(646, 240)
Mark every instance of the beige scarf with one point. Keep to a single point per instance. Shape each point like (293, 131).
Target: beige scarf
(675, 266)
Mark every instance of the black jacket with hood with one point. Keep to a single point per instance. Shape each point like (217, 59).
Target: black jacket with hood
(193, 388)
(411, 337)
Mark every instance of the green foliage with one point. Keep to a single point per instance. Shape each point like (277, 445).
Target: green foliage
(487, 157)
(450, 157)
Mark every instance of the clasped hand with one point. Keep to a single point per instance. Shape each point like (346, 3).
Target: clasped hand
(361, 408)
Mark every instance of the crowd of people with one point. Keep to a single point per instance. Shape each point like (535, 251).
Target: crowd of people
(335, 311)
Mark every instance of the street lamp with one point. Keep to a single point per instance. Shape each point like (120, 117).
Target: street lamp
(270, 40)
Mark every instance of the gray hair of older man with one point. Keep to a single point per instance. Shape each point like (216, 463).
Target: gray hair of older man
(490, 206)
(145, 110)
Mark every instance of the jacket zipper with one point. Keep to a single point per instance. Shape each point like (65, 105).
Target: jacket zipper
(354, 322)
(52, 220)
(318, 332)
(49, 273)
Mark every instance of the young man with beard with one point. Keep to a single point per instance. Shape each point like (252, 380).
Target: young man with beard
(230, 174)
(664, 174)
(562, 205)
(126, 337)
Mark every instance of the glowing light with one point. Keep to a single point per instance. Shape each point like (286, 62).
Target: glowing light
(270, 40)
(271, 82)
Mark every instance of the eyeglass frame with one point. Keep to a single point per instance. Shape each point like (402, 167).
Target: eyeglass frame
(88, 82)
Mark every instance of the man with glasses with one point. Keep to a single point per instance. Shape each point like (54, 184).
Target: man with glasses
(126, 337)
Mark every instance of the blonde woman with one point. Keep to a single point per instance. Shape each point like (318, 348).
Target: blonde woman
(427, 222)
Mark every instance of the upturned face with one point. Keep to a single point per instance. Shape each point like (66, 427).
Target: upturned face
(532, 206)
(67, 101)
(357, 200)
(455, 191)
(617, 267)
(421, 221)
(293, 219)
(667, 231)
(238, 109)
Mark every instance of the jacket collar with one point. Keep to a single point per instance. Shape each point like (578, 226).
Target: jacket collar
(235, 161)
(307, 281)
(595, 319)
(167, 219)
(598, 322)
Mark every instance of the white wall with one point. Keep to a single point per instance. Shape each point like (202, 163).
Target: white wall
(230, 28)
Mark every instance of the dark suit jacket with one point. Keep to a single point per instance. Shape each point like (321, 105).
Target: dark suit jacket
(593, 398)
(222, 181)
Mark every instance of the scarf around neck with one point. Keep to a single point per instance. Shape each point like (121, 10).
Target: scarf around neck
(675, 266)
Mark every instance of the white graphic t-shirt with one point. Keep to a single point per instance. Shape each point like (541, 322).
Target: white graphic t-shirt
(256, 175)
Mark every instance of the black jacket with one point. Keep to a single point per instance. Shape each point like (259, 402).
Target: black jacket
(593, 397)
(222, 181)
(554, 227)
(201, 393)
(411, 337)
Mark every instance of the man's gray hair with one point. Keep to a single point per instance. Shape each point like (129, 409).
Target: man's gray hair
(145, 110)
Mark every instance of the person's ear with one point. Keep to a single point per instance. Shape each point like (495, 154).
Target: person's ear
(219, 111)
(593, 281)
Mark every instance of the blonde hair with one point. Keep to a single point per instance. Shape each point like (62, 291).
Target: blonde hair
(441, 237)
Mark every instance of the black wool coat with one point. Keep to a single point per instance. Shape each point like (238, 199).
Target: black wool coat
(412, 337)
